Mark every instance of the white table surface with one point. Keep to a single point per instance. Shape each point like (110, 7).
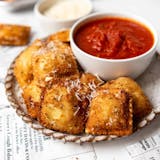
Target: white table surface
(149, 9)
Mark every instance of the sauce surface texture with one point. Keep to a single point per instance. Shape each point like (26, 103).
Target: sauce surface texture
(114, 38)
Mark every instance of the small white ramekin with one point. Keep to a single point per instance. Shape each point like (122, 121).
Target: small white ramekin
(50, 25)
(113, 68)
(16, 4)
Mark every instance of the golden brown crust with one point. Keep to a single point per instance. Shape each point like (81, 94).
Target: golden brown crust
(23, 66)
(141, 105)
(32, 97)
(44, 62)
(62, 111)
(110, 113)
(45, 59)
(14, 35)
(62, 36)
(82, 84)
(71, 93)
(54, 60)
(89, 83)
(91, 80)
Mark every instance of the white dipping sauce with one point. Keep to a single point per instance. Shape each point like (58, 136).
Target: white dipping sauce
(68, 9)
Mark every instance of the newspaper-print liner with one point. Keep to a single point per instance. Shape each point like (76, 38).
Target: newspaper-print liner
(18, 105)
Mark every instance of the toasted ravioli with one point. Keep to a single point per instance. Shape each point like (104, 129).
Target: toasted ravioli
(55, 59)
(83, 85)
(23, 65)
(62, 36)
(87, 78)
(62, 111)
(90, 82)
(141, 104)
(14, 35)
(110, 113)
(32, 97)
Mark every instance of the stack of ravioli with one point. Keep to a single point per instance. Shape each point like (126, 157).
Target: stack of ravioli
(63, 98)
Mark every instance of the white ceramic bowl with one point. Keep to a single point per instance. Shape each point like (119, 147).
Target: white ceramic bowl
(110, 68)
(16, 4)
(50, 25)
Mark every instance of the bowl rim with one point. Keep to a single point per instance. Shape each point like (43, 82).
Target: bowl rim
(127, 15)
(40, 14)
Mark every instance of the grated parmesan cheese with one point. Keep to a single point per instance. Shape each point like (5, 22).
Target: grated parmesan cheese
(77, 110)
(68, 9)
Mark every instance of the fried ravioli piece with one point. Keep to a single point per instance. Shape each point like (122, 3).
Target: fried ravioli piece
(14, 35)
(110, 113)
(90, 79)
(23, 65)
(90, 82)
(62, 36)
(62, 111)
(55, 59)
(83, 85)
(32, 97)
(141, 104)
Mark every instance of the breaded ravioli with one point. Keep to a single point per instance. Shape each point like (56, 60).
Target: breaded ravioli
(66, 102)
(90, 83)
(42, 63)
(62, 36)
(32, 97)
(110, 113)
(23, 64)
(83, 85)
(62, 111)
(55, 59)
(14, 35)
(141, 104)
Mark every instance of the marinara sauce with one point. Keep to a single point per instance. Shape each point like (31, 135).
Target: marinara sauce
(114, 38)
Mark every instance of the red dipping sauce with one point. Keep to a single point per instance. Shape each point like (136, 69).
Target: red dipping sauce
(114, 38)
